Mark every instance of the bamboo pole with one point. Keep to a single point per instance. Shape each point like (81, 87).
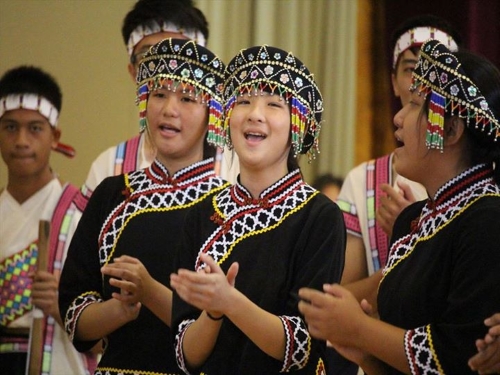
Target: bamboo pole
(34, 365)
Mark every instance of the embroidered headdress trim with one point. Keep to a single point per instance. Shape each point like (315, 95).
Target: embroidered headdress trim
(269, 69)
(439, 73)
(179, 64)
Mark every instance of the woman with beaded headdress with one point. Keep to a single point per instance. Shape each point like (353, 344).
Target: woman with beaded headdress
(252, 247)
(115, 282)
(440, 280)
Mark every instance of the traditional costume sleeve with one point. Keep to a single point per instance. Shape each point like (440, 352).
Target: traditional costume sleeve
(320, 260)
(81, 281)
(469, 279)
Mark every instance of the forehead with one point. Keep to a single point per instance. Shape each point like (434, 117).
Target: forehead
(24, 115)
(408, 57)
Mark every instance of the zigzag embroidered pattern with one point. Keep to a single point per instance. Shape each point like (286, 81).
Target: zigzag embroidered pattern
(148, 194)
(15, 285)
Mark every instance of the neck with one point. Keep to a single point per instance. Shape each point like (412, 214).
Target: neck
(175, 165)
(23, 187)
(445, 169)
(257, 181)
(149, 149)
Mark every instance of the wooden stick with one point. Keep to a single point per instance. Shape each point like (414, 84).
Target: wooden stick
(34, 365)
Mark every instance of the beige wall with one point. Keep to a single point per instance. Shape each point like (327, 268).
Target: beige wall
(80, 44)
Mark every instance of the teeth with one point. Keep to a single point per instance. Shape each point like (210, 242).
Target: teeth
(254, 135)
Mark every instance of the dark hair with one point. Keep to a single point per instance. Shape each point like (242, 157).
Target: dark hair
(209, 151)
(180, 12)
(424, 20)
(292, 163)
(31, 80)
(321, 181)
(486, 77)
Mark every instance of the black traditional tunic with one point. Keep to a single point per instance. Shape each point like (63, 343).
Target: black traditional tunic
(443, 274)
(141, 215)
(288, 238)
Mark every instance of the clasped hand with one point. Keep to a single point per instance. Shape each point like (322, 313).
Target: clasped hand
(208, 289)
(131, 277)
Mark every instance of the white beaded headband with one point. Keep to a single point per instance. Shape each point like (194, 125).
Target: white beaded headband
(153, 27)
(30, 101)
(418, 36)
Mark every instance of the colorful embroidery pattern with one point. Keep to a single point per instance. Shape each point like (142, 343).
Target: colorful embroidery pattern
(15, 284)
(236, 213)
(154, 190)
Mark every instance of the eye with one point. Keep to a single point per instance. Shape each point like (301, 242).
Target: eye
(159, 94)
(276, 104)
(9, 127)
(188, 99)
(242, 101)
(36, 128)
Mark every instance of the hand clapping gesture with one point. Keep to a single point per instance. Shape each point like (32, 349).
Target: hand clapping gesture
(487, 360)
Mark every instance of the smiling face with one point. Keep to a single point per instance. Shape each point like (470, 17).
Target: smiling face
(260, 133)
(177, 123)
(26, 140)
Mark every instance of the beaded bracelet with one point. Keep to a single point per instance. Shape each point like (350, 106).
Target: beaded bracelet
(213, 317)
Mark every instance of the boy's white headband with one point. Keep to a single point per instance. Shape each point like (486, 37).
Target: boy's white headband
(30, 101)
(419, 35)
(153, 27)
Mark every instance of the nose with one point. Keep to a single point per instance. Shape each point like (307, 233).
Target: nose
(171, 106)
(398, 118)
(256, 113)
(22, 137)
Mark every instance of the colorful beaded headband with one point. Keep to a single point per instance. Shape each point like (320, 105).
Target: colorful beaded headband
(184, 65)
(153, 27)
(40, 104)
(439, 73)
(418, 35)
(270, 69)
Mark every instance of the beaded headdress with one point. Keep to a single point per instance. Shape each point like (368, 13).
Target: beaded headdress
(37, 103)
(439, 73)
(180, 64)
(269, 69)
(418, 35)
(153, 27)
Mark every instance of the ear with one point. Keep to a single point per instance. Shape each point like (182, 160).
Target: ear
(132, 71)
(56, 135)
(454, 130)
(395, 86)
